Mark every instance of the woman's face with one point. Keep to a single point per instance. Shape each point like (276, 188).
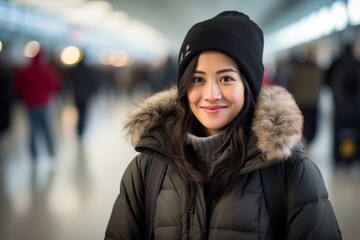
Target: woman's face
(216, 92)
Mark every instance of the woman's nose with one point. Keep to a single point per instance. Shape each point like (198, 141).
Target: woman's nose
(212, 91)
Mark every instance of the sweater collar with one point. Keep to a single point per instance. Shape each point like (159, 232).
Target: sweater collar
(204, 145)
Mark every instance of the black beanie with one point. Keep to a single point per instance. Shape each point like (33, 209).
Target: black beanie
(234, 34)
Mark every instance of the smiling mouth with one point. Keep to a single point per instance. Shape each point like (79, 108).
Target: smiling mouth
(213, 109)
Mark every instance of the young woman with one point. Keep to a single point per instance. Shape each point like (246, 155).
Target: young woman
(215, 132)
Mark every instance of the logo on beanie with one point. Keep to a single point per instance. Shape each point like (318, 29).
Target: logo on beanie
(183, 56)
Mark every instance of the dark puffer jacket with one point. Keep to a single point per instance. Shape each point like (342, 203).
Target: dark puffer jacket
(240, 214)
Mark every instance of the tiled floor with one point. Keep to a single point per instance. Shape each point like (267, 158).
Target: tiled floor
(71, 196)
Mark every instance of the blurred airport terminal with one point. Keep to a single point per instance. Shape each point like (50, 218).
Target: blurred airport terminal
(62, 185)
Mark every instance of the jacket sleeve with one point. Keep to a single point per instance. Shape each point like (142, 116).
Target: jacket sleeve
(127, 217)
(310, 213)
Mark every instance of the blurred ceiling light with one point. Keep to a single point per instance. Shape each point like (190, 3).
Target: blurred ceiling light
(31, 49)
(115, 58)
(99, 5)
(118, 58)
(353, 9)
(70, 55)
(100, 16)
(1, 46)
(41, 4)
(339, 15)
(317, 24)
(114, 21)
(121, 59)
(86, 14)
(324, 22)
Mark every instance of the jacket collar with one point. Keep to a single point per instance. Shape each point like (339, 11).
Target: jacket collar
(277, 124)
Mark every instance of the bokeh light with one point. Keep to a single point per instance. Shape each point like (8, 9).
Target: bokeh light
(70, 55)
(31, 49)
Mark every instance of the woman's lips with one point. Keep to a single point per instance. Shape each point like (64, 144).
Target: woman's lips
(213, 109)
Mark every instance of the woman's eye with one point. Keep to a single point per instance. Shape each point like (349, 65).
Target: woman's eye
(226, 79)
(197, 80)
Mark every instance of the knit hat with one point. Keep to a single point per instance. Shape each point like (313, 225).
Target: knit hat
(234, 34)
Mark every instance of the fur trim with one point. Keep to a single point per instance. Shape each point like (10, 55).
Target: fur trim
(278, 123)
(148, 112)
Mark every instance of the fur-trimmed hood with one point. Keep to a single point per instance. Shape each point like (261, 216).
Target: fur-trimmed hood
(277, 123)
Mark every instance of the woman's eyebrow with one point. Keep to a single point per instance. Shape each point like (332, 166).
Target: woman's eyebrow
(218, 72)
(227, 70)
(198, 71)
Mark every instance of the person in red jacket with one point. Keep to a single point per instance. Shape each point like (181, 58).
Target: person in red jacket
(35, 84)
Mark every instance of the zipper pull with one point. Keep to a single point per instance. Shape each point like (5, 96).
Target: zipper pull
(192, 208)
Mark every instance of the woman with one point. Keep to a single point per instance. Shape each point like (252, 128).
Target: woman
(215, 131)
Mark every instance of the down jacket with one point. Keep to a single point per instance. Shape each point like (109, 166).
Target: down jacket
(241, 213)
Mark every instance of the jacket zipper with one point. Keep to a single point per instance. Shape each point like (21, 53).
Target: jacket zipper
(191, 217)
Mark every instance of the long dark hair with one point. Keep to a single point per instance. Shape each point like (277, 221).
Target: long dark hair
(226, 173)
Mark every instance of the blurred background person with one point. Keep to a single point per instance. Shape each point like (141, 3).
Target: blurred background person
(285, 69)
(83, 85)
(35, 85)
(305, 84)
(6, 93)
(343, 77)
